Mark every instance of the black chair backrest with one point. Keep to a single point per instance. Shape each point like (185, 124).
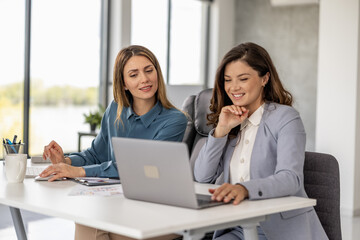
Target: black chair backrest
(322, 182)
(197, 129)
(189, 136)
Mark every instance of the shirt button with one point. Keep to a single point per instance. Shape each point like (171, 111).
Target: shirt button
(241, 179)
(260, 193)
(242, 160)
(246, 141)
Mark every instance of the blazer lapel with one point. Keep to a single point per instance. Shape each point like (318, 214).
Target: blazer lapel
(261, 136)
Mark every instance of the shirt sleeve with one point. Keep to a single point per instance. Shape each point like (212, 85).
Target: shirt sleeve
(95, 160)
(174, 129)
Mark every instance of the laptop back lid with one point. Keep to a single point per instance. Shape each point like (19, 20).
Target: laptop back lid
(155, 171)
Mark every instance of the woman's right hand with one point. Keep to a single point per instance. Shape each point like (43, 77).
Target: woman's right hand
(54, 152)
(230, 117)
(61, 170)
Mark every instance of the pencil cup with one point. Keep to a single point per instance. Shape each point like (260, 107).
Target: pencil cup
(15, 167)
(15, 162)
(13, 148)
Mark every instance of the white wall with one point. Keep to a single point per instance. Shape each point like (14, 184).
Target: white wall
(338, 120)
(222, 34)
(290, 34)
(177, 94)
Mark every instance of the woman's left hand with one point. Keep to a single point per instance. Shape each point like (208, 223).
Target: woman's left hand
(227, 192)
(61, 170)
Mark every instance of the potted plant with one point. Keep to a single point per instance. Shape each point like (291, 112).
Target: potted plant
(94, 118)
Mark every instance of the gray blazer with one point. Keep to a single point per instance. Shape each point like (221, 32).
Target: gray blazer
(276, 170)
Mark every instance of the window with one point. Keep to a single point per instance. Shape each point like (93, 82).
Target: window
(149, 28)
(11, 68)
(173, 33)
(65, 61)
(185, 42)
(65, 55)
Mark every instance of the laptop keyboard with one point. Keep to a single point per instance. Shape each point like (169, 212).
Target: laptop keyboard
(33, 171)
(205, 201)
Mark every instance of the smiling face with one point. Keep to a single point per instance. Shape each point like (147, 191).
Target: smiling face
(244, 86)
(140, 77)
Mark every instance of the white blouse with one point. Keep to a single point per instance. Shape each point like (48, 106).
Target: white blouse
(240, 160)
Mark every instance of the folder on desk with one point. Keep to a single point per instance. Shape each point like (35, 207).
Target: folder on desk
(96, 181)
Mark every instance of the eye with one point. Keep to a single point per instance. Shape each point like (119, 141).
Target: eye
(133, 75)
(243, 79)
(150, 70)
(227, 80)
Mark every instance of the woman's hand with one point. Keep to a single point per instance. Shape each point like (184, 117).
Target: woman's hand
(62, 170)
(230, 117)
(54, 152)
(227, 192)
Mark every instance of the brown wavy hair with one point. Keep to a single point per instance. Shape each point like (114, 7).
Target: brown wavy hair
(124, 98)
(259, 60)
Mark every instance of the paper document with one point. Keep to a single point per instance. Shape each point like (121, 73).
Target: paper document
(81, 190)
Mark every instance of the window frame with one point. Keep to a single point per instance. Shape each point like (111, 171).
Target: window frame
(105, 76)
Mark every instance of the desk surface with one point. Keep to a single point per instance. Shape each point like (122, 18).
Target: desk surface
(129, 217)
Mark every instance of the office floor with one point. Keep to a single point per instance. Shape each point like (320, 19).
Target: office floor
(41, 227)
(38, 226)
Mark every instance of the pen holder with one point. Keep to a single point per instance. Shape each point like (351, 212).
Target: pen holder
(13, 149)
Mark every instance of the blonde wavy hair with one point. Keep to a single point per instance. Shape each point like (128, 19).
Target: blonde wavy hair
(124, 98)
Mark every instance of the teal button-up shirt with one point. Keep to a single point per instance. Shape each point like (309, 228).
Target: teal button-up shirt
(158, 124)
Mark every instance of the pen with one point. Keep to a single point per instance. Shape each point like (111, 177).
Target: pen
(10, 143)
(14, 139)
(5, 147)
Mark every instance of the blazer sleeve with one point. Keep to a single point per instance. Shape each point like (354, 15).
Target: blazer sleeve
(209, 164)
(287, 178)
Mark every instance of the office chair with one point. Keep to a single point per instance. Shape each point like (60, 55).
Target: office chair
(197, 130)
(197, 107)
(321, 171)
(322, 182)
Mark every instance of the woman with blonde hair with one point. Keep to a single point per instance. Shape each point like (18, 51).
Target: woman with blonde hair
(140, 109)
(257, 147)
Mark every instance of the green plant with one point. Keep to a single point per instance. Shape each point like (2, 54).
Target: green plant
(94, 118)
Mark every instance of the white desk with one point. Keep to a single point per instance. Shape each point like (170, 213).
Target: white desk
(135, 218)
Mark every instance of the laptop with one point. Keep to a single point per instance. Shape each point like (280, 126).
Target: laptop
(158, 172)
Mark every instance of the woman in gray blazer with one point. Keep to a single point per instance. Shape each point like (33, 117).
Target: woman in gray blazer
(257, 147)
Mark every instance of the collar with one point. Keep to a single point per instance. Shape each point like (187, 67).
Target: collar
(147, 118)
(255, 118)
